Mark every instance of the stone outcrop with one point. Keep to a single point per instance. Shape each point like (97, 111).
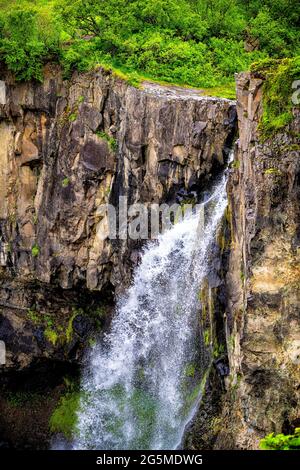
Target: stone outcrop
(259, 280)
(67, 147)
(263, 324)
(262, 318)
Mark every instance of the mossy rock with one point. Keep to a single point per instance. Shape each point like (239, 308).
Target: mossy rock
(278, 105)
(64, 418)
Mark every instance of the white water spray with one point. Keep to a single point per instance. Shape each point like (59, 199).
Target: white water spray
(144, 377)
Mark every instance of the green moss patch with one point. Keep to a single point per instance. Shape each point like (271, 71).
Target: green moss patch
(64, 417)
(51, 335)
(278, 76)
(190, 370)
(110, 140)
(65, 182)
(35, 251)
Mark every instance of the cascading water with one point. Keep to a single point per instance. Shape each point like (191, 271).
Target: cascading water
(143, 380)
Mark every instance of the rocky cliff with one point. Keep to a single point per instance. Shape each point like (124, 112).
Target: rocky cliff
(66, 148)
(260, 278)
(262, 319)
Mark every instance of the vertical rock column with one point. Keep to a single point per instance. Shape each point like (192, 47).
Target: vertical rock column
(262, 318)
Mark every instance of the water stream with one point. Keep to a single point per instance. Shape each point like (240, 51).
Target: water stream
(144, 378)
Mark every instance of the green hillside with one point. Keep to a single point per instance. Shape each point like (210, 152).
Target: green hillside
(199, 43)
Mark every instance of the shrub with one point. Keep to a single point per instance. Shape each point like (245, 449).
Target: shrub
(281, 441)
(25, 42)
(198, 43)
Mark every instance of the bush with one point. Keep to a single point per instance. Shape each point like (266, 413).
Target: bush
(25, 43)
(195, 42)
(281, 441)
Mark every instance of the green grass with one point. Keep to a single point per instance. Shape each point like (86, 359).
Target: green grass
(227, 91)
(224, 91)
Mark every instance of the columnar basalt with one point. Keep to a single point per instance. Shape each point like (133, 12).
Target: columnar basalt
(258, 325)
(262, 318)
(68, 147)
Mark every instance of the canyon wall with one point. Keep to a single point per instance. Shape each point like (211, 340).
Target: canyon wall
(260, 331)
(262, 318)
(68, 146)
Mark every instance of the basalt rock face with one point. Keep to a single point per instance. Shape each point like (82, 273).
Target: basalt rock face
(254, 310)
(262, 317)
(68, 147)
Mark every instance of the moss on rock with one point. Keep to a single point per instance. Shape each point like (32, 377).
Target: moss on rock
(278, 105)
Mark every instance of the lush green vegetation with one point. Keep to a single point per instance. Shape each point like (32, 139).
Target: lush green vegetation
(199, 43)
(281, 441)
(64, 417)
(279, 76)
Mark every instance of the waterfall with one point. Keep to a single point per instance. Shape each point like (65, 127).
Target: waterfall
(144, 378)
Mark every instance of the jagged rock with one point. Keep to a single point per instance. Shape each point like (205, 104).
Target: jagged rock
(66, 148)
(263, 325)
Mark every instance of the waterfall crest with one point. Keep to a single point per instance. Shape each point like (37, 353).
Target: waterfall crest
(144, 377)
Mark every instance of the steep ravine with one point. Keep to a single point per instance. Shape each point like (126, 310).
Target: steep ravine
(69, 146)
